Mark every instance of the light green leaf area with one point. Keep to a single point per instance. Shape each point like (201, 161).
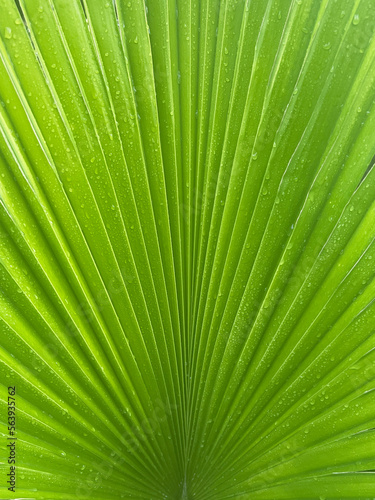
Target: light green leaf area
(187, 249)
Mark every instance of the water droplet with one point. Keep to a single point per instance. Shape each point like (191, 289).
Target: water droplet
(356, 19)
(8, 33)
(327, 46)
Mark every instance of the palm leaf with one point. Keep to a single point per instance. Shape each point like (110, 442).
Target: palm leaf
(187, 225)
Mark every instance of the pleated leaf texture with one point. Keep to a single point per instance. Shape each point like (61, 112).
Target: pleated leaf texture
(187, 224)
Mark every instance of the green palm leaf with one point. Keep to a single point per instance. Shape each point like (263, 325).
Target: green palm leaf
(187, 227)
